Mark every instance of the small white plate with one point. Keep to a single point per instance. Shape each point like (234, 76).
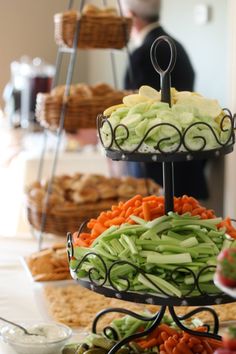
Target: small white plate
(229, 291)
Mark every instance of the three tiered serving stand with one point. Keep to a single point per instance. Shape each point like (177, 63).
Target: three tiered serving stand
(180, 152)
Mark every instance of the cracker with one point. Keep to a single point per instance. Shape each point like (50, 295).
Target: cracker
(50, 264)
(71, 305)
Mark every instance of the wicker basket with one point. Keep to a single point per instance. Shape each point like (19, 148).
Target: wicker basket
(94, 31)
(75, 199)
(60, 221)
(80, 113)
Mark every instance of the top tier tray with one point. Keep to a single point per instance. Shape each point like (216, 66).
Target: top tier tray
(180, 152)
(172, 144)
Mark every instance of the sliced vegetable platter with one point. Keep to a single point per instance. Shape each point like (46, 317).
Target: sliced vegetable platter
(145, 124)
(170, 256)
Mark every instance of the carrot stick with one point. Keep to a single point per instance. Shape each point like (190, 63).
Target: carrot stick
(131, 201)
(146, 211)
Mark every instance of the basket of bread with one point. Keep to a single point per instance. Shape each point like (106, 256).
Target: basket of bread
(98, 28)
(82, 106)
(74, 199)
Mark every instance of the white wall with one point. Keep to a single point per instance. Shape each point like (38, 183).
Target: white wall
(206, 44)
(208, 47)
(26, 27)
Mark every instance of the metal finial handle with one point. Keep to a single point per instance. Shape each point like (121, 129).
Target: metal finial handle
(164, 73)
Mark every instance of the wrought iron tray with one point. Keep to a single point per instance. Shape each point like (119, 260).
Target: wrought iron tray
(180, 152)
(202, 300)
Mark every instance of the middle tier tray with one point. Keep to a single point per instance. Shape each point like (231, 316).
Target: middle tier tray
(105, 285)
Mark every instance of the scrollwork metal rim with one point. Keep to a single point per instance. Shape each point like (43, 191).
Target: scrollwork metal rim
(182, 136)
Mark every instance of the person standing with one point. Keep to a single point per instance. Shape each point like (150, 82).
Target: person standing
(189, 176)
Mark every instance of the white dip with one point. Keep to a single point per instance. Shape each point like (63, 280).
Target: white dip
(46, 333)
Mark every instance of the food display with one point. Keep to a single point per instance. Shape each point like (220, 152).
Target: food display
(83, 105)
(99, 28)
(82, 196)
(154, 249)
(144, 124)
(49, 264)
(137, 245)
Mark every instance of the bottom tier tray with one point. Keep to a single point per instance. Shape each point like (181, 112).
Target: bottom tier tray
(106, 287)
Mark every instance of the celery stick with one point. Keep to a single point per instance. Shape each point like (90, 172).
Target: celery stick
(182, 216)
(178, 249)
(130, 244)
(121, 270)
(177, 236)
(117, 245)
(149, 267)
(170, 240)
(148, 253)
(104, 253)
(157, 221)
(140, 288)
(212, 261)
(80, 252)
(196, 264)
(155, 243)
(170, 267)
(138, 220)
(107, 247)
(217, 240)
(81, 274)
(209, 223)
(203, 236)
(132, 329)
(149, 248)
(132, 229)
(105, 233)
(155, 238)
(149, 233)
(210, 288)
(97, 265)
(117, 330)
(186, 228)
(204, 278)
(190, 242)
(216, 234)
(124, 254)
(203, 250)
(161, 283)
(180, 258)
